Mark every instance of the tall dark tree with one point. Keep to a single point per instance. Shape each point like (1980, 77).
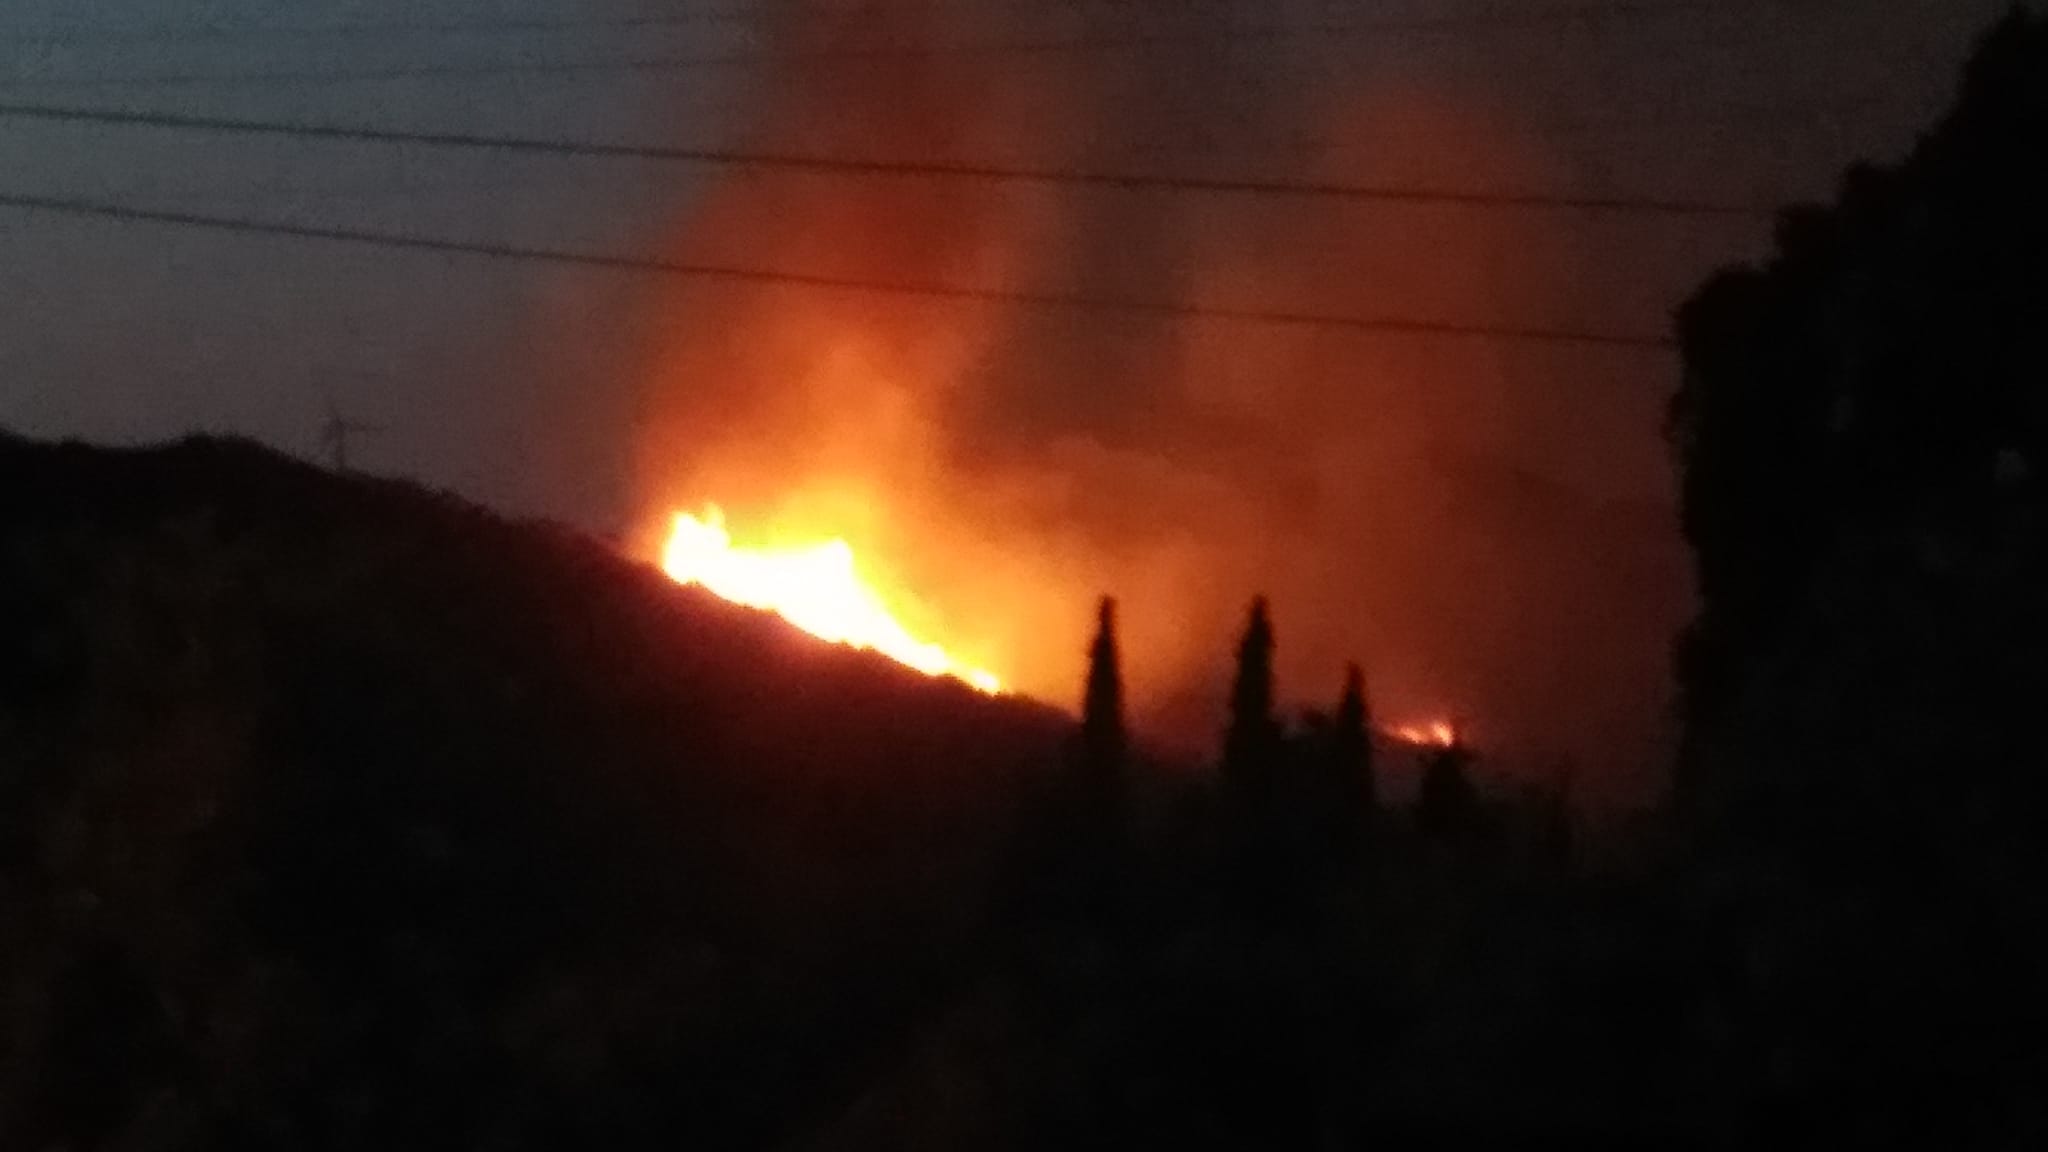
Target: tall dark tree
(1105, 785)
(1351, 747)
(1258, 837)
(1102, 709)
(1251, 747)
(1085, 842)
(1328, 796)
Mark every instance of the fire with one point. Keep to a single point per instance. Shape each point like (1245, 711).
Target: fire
(1437, 733)
(815, 586)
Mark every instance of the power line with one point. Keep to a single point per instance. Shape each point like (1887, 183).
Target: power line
(1540, 19)
(1058, 301)
(85, 33)
(844, 166)
(76, 32)
(1584, 135)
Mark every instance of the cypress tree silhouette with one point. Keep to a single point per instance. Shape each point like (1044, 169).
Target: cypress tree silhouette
(1346, 792)
(1252, 744)
(1252, 750)
(1085, 841)
(1102, 709)
(1104, 816)
(1352, 747)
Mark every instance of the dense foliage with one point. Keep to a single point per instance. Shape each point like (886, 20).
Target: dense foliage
(1864, 431)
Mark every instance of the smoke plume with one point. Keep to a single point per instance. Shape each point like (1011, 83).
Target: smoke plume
(1444, 511)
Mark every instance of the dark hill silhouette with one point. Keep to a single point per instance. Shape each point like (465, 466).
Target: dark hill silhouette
(335, 812)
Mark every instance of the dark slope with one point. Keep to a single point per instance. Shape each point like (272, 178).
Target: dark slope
(339, 813)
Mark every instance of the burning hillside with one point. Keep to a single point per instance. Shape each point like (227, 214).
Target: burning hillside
(815, 585)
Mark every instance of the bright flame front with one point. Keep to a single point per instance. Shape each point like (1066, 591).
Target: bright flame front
(1437, 733)
(813, 586)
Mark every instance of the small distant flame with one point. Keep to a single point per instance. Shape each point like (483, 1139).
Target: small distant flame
(815, 586)
(1437, 733)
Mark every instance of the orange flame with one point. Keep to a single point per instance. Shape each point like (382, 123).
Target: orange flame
(815, 586)
(1437, 733)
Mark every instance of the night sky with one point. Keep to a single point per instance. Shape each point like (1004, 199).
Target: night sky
(1486, 524)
